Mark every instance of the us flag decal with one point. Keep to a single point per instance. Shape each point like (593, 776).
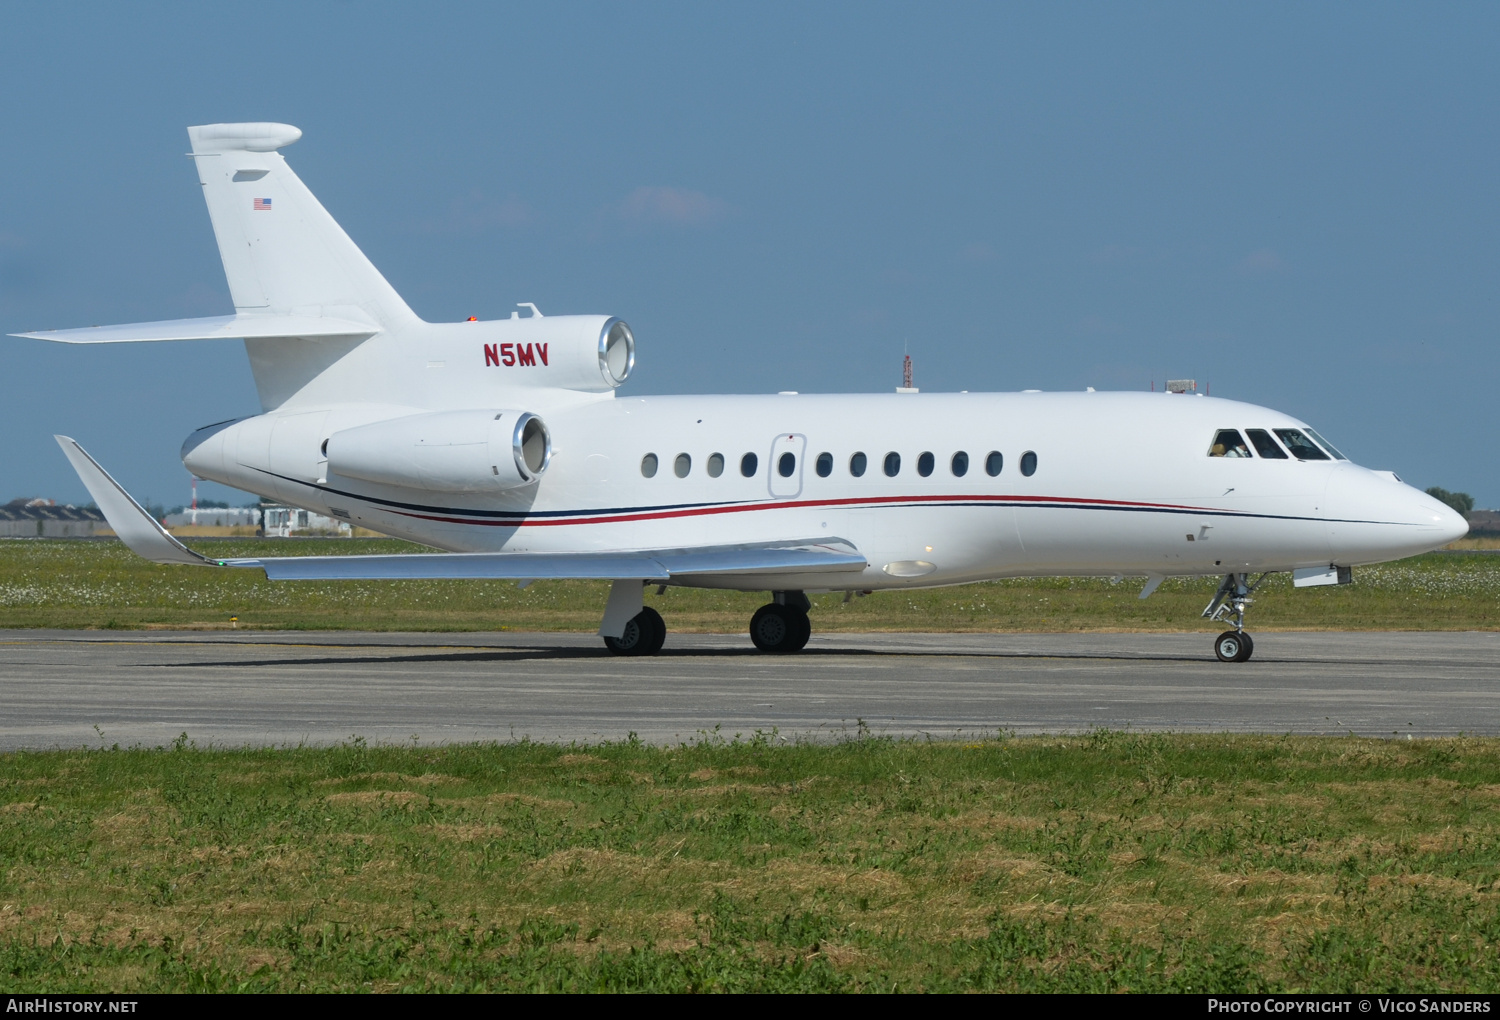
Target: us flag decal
(263, 204)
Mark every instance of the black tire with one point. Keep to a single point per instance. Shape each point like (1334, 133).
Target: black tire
(643, 635)
(804, 631)
(778, 628)
(1231, 646)
(1249, 648)
(658, 629)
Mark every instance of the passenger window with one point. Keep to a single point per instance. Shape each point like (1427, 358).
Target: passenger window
(1227, 443)
(925, 464)
(682, 465)
(748, 463)
(1265, 445)
(857, 465)
(994, 463)
(715, 465)
(648, 465)
(825, 465)
(786, 465)
(1302, 448)
(960, 464)
(1028, 463)
(892, 464)
(1325, 444)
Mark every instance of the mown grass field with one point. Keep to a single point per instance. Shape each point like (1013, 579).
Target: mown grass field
(101, 584)
(1098, 863)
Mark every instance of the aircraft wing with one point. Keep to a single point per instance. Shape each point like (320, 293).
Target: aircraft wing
(813, 556)
(214, 327)
(145, 536)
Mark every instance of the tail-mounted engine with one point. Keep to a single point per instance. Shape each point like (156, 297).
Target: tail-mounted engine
(445, 451)
(591, 353)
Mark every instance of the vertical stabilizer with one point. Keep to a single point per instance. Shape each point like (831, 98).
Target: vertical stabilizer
(283, 254)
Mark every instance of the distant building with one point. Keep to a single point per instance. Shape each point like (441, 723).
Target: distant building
(290, 521)
(1484, 523)
(43, 518)
(214, 517)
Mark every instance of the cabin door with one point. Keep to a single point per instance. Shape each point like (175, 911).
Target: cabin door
(785, 468)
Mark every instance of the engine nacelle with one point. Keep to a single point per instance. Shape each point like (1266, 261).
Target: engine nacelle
(592, 353)
(445, 451)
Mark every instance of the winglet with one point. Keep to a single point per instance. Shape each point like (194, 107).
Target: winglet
(137, 529)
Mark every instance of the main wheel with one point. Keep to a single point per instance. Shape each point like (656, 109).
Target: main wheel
(1233, 646)
(658, 629)
(779, 628)
(644, 635)
(804, 631)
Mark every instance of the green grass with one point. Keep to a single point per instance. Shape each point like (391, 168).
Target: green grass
(1097, 863)
(101, 584)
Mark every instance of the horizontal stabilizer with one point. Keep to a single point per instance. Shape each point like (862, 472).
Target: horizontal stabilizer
(652, 565)
(214, 327)
(137, 529)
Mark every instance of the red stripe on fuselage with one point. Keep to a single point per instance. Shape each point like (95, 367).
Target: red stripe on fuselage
(657, 515)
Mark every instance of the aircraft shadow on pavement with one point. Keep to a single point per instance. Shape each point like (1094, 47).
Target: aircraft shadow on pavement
(575, 653)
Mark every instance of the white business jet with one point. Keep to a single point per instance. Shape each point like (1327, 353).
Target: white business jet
(503, 445)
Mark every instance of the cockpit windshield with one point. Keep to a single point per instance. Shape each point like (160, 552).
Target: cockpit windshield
(1227, 443)
(1325, 444)
(1265, 445)
(1302, 448)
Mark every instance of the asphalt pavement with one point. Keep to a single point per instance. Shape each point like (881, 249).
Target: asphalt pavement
(231, 688)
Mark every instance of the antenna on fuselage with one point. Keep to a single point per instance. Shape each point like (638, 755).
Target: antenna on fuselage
(906, 386)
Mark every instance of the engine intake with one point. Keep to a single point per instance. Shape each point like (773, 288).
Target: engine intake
(446, 451)
(616, 351)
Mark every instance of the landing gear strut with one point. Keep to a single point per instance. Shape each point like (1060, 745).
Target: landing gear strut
(644, 635)
(782, 626)
(1231, 599)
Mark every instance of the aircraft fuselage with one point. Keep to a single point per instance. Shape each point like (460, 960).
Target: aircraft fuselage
(1122, 484)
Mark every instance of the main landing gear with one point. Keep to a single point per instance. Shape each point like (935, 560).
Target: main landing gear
(782, 626)
(644, 635)
(1231, 599)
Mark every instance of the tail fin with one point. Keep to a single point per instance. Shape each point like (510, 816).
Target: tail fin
(283, 254)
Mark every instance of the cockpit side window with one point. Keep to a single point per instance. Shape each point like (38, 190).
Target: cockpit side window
(1265, 445)
(1227, 443)
(1325, 444)
(1302, 448)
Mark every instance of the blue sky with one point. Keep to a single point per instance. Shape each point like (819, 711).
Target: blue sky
(1295, 204)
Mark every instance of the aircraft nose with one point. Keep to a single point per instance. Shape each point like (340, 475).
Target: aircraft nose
(1446, 521)
(1375, 517)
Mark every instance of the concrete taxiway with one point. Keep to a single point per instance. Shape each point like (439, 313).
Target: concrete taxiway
(237, 688)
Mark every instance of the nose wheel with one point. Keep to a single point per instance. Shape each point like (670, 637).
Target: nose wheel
(782, 626)
(644, 635)
(1231, 599)
(1234, 646)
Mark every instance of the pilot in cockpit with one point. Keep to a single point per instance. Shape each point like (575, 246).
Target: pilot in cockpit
(1228, 444)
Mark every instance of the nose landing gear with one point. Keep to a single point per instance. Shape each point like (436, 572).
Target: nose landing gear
(1231, 599)
(782, 626)
(1233, 646)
